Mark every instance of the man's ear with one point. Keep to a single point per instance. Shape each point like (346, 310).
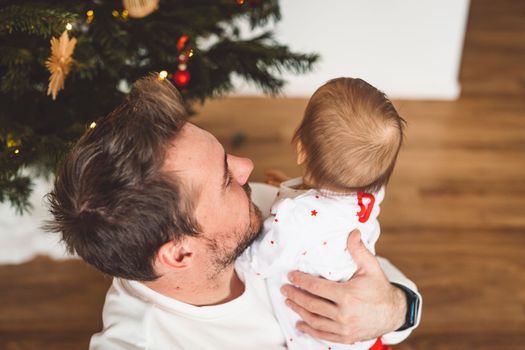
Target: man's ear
(301, 155)
(174, 255)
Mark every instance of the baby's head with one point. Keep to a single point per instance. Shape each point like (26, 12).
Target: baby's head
(349, 137)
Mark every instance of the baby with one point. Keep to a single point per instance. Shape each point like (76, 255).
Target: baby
(348, 143)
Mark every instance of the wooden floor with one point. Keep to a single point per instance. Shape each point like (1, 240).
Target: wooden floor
(453, 219)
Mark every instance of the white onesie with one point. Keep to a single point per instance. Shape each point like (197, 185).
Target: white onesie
(307, 230)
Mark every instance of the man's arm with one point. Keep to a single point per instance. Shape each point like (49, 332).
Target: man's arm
(366, 307)
(396, 276)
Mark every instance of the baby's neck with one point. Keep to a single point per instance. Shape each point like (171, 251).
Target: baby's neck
(307, 184)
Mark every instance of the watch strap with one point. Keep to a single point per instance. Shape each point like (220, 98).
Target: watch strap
(412, 307)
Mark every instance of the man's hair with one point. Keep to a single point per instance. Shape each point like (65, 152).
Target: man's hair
(351, 134)
(112, 202)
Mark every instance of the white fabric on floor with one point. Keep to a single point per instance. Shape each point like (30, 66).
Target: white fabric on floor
(22, 236)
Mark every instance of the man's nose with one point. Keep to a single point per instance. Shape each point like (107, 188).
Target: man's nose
(241, 168)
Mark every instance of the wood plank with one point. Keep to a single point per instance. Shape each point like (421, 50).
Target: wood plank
(453, 218)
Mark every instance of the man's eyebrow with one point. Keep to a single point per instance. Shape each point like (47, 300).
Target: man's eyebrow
(226, 171)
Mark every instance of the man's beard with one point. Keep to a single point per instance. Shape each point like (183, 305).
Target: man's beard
(223, 258)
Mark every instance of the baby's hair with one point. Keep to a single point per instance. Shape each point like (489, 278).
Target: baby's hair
(351, 135)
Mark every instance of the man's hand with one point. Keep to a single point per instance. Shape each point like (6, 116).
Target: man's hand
(365, 307)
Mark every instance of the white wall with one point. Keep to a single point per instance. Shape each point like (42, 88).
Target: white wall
(408, 48)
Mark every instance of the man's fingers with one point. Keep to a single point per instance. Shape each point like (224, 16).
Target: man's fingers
(332, 337)
(361, 256)
(310, 302)
(315, 321)
(315, 285)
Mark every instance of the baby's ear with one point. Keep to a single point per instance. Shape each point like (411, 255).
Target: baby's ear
(301, 155)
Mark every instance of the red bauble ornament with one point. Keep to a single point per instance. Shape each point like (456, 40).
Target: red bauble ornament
(182, 42)
(181, 78)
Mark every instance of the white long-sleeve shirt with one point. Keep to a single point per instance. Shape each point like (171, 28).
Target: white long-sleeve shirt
(307, 230)
(136, 317)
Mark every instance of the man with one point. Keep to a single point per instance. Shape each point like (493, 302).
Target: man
(157, 203)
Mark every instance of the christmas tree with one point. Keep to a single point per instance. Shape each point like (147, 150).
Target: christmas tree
(63, 64)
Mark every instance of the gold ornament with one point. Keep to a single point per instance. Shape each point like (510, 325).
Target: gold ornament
(140, 8)
(90, 14)
(59, 63)
(12, 142)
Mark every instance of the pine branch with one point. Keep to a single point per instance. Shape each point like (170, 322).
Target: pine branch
(266, 12)
(110, 50)
(17, 190)
(259, 60)
(34, 19)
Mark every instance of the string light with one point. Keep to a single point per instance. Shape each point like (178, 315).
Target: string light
(115, 13)
(12, 142)
(69, 26)
(17, 151)
(92, 125)
(163, 75)
(90, 15)
(190, 53)
(125, 14)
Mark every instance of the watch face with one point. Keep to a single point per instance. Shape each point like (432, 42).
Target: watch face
(412, 309)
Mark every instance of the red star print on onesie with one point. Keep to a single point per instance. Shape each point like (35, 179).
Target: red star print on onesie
(314, 212)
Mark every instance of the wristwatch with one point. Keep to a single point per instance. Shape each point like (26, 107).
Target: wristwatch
(412, 307)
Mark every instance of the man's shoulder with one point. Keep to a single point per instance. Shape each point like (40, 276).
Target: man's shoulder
(122, 299)
(125, 318)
